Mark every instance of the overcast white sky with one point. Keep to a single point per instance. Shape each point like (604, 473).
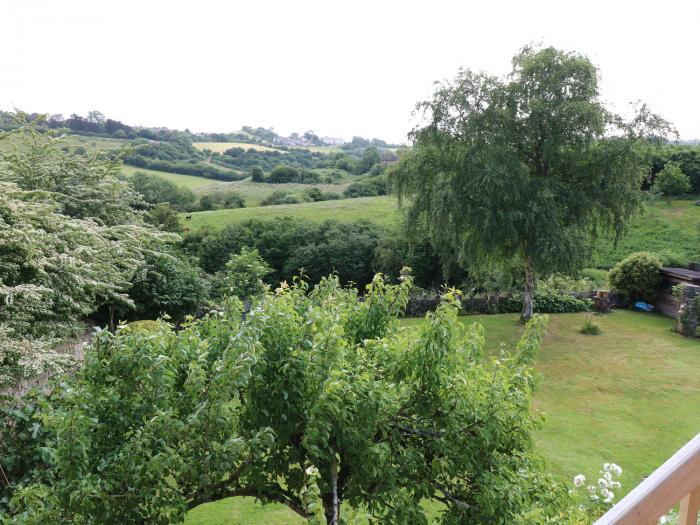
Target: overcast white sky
(338, 68)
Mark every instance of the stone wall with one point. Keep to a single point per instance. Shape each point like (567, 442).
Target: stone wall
(687, 314)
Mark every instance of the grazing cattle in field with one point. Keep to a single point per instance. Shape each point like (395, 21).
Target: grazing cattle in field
(188, 217)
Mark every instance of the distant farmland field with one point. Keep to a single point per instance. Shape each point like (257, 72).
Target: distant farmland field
(187, 181)
(382, 210)
(96, 142)
(220, 147)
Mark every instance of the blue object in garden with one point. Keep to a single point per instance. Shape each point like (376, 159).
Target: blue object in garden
(645, 307)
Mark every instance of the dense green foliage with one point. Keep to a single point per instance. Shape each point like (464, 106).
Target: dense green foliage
(246, 160)
(283, 173)
(369, 187)
(289, 197)
(671, 181)
(313, 400)
(221, 200)
(164, 217)
(547, 302)
(636, 276)
(156, 190)
(166, 284)
(178, 156)
(524, 170)
(291, 246)
(686, 157)
(242, 276)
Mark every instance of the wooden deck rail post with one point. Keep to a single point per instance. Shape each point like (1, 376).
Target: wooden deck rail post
(690, 504)
(677, 480)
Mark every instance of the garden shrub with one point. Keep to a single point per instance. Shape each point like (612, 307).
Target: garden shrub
(636, 277)
(546, 302)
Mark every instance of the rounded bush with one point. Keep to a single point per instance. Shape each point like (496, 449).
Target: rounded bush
(637, 276)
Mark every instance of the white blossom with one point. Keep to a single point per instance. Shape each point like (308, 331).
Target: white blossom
(579, 480)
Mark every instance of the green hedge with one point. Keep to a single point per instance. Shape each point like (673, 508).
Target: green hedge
(546, 303)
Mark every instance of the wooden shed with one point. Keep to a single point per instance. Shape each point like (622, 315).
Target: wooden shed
(666, 303)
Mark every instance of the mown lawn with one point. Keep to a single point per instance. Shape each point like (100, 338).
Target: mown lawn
(629, 395)
(382, 210)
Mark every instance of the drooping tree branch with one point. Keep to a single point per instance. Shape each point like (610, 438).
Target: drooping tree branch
(448, 497)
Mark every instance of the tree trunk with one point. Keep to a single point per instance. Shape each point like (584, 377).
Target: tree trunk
(331, 502)
(529, 295)
(112, 324)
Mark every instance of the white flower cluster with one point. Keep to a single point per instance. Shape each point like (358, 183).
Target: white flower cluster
(669, 519)
(602, 492)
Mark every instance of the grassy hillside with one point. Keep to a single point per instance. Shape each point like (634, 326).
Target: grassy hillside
(188, 181)
(670, 230)
(96, 142)
(617, 397)
(382, 210)
(254, 192)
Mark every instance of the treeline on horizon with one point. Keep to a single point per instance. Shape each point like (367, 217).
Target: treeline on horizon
(162, 149)
(95, 123)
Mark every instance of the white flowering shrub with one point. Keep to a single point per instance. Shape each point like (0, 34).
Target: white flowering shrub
(596, 498)
(671, 518)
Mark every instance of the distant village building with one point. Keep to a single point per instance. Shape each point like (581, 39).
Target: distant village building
(292, 141)
(388, 158)
(332, 141)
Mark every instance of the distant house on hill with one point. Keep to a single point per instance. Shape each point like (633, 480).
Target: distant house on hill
(388, 158)
(332, 141)
(292, 141)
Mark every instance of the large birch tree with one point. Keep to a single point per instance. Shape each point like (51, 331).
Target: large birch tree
(525, 169)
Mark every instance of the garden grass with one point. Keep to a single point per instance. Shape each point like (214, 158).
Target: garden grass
(242, 511)
(629, 395)
(382, 210)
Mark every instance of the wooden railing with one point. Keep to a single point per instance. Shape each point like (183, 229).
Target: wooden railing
(677, 480)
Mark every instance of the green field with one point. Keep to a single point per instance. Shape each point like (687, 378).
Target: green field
(624, 396)
(382, 210)
(220, 147)
(188, 181)
(89, 143)
(96, 142)
(670, 230)
(252, 192)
